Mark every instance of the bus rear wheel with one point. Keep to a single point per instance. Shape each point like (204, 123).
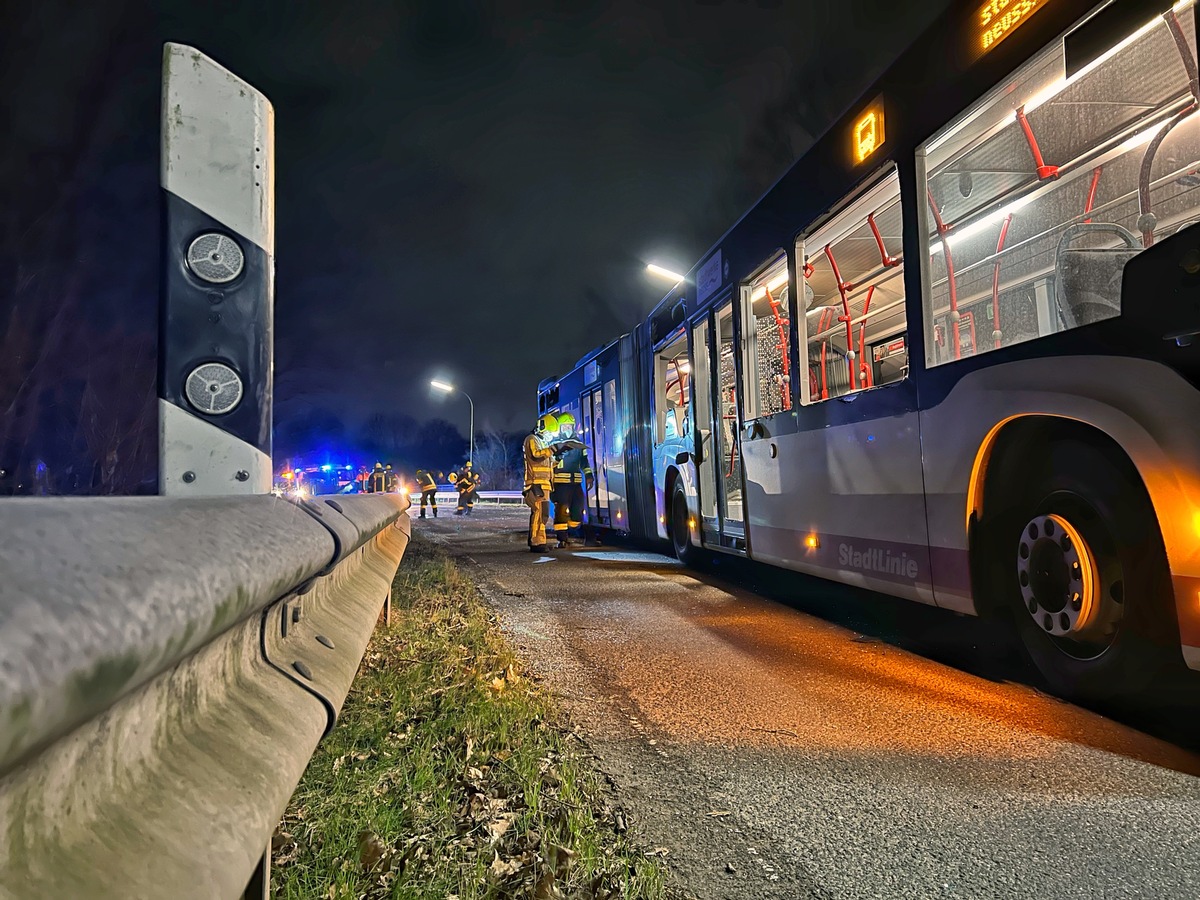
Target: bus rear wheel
(681, 537)
(1086, 575)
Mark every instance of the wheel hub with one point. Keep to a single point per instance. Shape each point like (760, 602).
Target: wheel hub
(1057, 574)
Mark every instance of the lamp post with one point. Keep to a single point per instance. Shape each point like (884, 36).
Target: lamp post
(450, 389)
(674, 277)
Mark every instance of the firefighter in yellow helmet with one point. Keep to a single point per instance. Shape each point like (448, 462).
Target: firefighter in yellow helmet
(467, 485)
(539, 476)
(427, 485)
(377, 480)
(572, 470)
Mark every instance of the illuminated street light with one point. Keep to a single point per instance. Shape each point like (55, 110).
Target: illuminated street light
(664, 273)
(450, 389)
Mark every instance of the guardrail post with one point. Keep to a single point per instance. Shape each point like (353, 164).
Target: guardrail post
(259, 887)
(218, 275)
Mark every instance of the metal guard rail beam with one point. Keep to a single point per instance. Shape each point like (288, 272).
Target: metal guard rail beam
(167, 667)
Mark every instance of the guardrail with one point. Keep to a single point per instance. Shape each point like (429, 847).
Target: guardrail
(451, 497)
(167, 667)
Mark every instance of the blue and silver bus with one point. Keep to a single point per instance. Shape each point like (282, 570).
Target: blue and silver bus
(950, 355)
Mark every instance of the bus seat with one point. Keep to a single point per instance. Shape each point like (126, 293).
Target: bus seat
(1088, 279)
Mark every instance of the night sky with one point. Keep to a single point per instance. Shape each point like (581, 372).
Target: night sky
(465, 190)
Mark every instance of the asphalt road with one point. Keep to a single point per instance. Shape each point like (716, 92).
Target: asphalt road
(800, 739)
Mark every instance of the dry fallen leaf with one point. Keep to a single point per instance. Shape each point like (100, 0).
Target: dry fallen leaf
(497, 684)
(502, 868)
(547, 887)
(371, 850)
(497, 827)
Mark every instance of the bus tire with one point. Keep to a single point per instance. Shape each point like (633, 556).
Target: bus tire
(681, 538)
(1082, 563)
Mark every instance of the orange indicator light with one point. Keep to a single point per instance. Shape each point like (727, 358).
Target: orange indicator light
(868, 135)
(812, 542)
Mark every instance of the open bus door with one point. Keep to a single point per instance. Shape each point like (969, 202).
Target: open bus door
(720, 469)
(596, 437)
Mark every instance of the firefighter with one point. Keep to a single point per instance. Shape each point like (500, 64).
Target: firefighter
(468, 489)
(571, 473)
(389, 479)
(539, 464)
(376, 482)
(428, 488)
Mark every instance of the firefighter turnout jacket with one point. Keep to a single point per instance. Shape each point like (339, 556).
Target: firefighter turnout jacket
(573, 464)
(538, 462)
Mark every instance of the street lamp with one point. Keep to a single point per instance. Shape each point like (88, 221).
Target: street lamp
(450, 389)
(665, 273)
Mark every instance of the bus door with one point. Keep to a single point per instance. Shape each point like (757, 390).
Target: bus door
(702, 389)
(850, 483)
(765, 329)
(595, 436)
(721, 460)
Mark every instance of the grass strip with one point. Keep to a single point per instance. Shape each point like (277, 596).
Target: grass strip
(450, 775)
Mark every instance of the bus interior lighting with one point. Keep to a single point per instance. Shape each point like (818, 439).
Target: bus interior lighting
(777, 282)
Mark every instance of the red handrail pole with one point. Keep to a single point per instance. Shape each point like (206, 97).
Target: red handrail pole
(844, 289)
(1043, 171)
(780, 324)
(1091, 197)
(868, 376)
(996, 281)
(824, 383)
(888, 261)
(943, 231)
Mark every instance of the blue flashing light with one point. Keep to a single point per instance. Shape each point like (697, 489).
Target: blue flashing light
(326, 468)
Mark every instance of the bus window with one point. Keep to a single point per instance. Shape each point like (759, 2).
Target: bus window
(767, 342)
(671, 374)
(853, 291)
(1036, 199)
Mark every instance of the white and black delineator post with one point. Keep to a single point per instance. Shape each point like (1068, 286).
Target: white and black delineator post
(218, 280)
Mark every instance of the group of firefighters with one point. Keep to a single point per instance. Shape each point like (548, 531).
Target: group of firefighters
(557, 471)
(466, 481)
(557, 476)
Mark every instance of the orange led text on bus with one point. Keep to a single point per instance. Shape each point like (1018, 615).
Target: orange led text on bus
(999, 18)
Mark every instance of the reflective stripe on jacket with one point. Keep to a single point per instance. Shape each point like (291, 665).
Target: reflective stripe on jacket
(572, 466)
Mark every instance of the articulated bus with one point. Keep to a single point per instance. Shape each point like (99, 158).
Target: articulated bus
(950, 355)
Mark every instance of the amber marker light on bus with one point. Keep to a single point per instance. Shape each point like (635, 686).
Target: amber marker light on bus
(997, 19)
(868, 134)
(812, 542)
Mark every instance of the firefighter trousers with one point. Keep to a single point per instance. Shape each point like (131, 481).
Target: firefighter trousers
(568, 509)
(429, 497)
(537, 498)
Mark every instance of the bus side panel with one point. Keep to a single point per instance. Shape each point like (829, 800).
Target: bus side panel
(1145, 407)
(843, 502)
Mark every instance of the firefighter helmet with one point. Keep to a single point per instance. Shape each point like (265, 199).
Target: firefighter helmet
(548, 423)
(565, 421)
